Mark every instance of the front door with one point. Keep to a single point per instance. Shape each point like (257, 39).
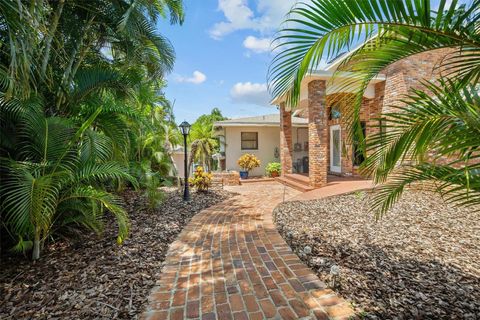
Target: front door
(335, 149)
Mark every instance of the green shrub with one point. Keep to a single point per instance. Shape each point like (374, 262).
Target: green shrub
(273, 169)
(201, 180)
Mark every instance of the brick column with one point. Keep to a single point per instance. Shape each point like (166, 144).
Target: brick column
(286, 149)
(317, 133)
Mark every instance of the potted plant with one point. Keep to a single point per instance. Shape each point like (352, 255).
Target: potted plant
(273, 169)
(247, 162)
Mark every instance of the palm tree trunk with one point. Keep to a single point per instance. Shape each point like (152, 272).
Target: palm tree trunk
(51, 34)
(36, 245)
(73, 65)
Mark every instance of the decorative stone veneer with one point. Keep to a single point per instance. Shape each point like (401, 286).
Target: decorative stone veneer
(286, 147)
(317, 133)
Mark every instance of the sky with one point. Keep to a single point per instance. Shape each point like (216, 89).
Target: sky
(222, 57)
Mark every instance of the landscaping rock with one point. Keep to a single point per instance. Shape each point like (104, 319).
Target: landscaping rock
(91, 277)
(420, 261)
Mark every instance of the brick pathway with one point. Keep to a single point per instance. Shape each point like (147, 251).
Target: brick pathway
(231, 263)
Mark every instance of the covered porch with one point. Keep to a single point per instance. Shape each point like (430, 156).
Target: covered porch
(324, 153)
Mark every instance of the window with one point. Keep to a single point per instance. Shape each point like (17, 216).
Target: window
(358, 156)
(249, 140)
(335, 112)
(383, 129)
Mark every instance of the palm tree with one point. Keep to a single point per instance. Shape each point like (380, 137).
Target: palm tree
(393, 30)
(204, 142)
(202, 145)
(51, 178)
(76, 82)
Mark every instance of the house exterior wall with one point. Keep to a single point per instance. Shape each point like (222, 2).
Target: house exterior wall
(268, 140)
(178, 160)
(369, 113)
(409, 72)
(400, 77)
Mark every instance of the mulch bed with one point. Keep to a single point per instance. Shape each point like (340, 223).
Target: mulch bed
(92, 277)
(420, 261)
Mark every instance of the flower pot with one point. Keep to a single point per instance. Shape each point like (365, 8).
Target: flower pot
(274, 174)
(243, 174)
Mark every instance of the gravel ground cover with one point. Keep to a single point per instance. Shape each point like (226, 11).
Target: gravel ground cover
(92, 277)
(420, 261)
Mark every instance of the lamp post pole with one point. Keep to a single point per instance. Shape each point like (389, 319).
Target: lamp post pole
(185, 129)
(186, 191)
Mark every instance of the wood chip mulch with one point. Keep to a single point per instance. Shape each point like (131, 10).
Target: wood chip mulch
(92, 277)
(420, 261)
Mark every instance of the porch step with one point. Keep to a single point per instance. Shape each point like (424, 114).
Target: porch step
(295, 183)
(299, 178)
(256, 180)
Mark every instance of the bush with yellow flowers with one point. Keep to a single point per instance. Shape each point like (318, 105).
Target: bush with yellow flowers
(201, 180)
(248, 161)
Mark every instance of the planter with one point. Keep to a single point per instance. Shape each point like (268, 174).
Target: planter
(274, 174)
(243, 174)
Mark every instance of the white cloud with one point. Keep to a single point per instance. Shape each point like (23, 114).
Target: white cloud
(252, 93)
(239, 16)
(196, 78)
(257, 45)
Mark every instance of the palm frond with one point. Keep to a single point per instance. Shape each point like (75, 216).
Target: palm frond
(29, 199)
(112, 203)
(95, 146)
(443, 122)
(458, 186)
(323, 29)
(91, 173)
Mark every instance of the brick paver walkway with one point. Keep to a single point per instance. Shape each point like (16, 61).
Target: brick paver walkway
(231, 263)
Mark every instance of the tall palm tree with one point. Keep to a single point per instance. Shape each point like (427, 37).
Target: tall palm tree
(202, 145)
(204, 142)
(393, 30)
(75, 82)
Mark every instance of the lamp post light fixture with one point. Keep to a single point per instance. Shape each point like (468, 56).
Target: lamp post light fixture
(185, 129)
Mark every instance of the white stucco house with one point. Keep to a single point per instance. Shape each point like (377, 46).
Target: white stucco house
(178, 163)
(260, 136)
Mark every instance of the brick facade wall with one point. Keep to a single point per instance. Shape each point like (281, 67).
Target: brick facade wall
(369, 113)
(400, 77)
(317, 133)
(286, 146)
(409, 72)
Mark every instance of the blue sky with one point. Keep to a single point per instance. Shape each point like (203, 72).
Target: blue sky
(222, 56)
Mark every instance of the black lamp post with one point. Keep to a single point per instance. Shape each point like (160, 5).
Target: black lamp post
(185, 129)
